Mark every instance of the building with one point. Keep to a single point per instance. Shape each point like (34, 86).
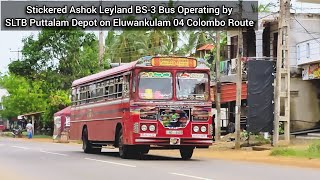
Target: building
(205, 49)
(5, 122)
(304, 59)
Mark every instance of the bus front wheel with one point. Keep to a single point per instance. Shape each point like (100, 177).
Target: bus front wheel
(123, 149)
(186, 152)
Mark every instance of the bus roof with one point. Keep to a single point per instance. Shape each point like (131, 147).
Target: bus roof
(93, 77)
(142, 62)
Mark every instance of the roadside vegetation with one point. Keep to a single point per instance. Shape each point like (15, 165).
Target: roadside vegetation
(25, 134)
(311, 152)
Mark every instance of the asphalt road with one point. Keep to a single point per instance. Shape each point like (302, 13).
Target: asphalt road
(52, 161)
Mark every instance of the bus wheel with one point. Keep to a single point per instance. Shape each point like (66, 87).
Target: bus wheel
(186, 152)
(123, 149)
(145, 149)
(87, 146)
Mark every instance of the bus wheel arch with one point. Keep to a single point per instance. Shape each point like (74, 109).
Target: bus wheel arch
(117, 135)
(86, 144)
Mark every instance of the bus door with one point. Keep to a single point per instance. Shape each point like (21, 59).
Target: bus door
(125, 104)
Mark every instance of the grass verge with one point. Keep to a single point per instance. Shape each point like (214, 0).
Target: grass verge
(312, 152)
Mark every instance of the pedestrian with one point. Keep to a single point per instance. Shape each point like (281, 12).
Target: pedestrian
(29, 130)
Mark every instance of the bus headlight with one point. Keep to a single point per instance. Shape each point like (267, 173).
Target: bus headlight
(203, 129)
(152, 128)
(144, 127)
(195, 129)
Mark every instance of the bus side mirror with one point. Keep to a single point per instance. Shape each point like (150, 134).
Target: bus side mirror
(133, 87)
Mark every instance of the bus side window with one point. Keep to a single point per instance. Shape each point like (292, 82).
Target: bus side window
(92, 92)
(119, 87)
(126, 85)
(87, 94)
(81, 95)
(78, 96)
(111, 89)
(99, 91)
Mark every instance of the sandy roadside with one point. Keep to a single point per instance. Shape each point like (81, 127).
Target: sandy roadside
(216, 152)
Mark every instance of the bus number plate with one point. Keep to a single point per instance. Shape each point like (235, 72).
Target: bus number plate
(175, 132)
(174, 141)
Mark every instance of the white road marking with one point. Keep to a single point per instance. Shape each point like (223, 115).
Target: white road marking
(20, 147)
(194, 177)
(47, 152)
(121, 164)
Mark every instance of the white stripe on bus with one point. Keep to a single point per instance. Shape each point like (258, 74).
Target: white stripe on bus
(101, 119)
(101, 104)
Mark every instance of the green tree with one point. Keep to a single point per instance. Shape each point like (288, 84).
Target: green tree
(58, 56)
(23, 96)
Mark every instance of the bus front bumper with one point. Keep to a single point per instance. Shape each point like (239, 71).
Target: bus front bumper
(174, 141)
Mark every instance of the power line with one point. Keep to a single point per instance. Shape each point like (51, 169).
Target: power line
(306, 30)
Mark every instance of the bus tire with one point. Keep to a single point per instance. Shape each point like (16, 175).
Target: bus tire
(145, 149)
(87, 146)
(186, 152)
(123, 149)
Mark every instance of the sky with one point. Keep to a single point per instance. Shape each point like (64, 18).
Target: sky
(11, 41)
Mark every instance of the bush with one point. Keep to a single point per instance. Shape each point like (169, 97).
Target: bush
(283, 152)
(7, 134)
(314, 147)
(313, 151)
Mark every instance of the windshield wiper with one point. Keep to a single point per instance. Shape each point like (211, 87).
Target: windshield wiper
(179, 83)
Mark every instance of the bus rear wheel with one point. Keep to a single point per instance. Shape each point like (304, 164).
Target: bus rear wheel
(186, 152)
(87, 146)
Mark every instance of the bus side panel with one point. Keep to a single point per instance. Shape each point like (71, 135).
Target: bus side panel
(127, 124)
(103, 119)
(75, 127)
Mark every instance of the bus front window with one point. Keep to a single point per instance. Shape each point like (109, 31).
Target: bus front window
(192, 86)
(155, 85)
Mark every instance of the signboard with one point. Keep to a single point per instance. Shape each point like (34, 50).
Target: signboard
(174, 62)
(311, 71)
(67, 121)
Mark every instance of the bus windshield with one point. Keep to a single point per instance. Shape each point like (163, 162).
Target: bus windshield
(155, 85)
(192, 86)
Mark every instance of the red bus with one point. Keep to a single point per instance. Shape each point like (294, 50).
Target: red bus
(154, 101)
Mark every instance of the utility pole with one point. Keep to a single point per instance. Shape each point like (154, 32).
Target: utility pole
(239, 82)
(18, 51)
(218, 90)
(282, 92)
(101, 48)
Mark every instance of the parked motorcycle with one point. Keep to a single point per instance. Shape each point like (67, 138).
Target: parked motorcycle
(17, 132)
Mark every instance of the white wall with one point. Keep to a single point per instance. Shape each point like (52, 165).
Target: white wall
(3, 93)
(299, 35)
(308, 51)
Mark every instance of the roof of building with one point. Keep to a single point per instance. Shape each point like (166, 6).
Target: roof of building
(66, 111)
(206, 47)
